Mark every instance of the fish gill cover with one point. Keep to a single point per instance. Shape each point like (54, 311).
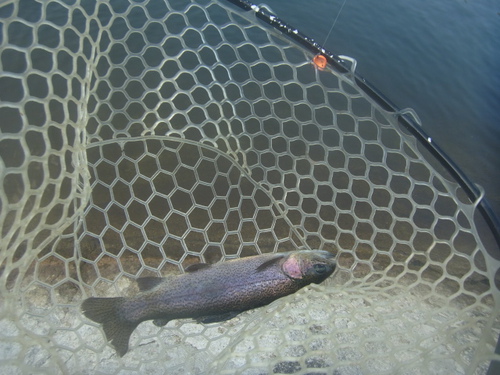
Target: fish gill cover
(141, 137)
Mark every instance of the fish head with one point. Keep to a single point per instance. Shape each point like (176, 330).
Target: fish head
(309, 266)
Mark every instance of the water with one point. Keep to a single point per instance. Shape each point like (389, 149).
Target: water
(441, 58)
(383, 311)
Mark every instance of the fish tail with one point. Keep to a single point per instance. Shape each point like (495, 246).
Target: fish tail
(107, 312)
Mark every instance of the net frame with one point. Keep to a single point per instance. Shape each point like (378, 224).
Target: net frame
(80, 131)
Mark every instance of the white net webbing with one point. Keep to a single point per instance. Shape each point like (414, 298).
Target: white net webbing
(138, 137)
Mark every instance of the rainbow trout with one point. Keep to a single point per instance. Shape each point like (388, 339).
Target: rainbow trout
(209, 293)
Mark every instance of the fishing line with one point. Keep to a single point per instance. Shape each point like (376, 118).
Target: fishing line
(334, 22)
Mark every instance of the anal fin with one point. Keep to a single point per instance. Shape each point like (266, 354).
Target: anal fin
(217, 318)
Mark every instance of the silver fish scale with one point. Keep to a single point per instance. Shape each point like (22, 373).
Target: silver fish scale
(138, 138)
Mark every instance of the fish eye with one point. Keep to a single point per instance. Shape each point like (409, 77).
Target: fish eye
(319, 268)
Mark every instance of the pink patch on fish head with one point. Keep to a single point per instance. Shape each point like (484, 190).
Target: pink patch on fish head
(291, 267)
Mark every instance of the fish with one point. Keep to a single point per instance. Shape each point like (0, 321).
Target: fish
(208, 293)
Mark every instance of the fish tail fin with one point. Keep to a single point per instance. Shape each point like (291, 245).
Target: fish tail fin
(107, 312)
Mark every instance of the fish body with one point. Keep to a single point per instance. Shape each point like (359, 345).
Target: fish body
(209, 293)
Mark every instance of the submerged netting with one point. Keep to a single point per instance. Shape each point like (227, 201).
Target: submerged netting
(139, 137)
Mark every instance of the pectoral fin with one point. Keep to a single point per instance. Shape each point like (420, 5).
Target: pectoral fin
(269, 263)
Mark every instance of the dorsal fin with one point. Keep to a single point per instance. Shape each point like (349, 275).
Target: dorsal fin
(270, 262)
(149, 282)
(196, 267)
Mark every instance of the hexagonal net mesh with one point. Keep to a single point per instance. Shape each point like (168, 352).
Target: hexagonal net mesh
(139, 137)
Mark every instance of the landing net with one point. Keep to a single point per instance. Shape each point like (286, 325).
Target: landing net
(139, 137)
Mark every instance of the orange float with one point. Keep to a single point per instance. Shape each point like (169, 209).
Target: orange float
(320, 61)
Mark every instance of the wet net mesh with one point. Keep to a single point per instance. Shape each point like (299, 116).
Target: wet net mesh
(139, 137)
